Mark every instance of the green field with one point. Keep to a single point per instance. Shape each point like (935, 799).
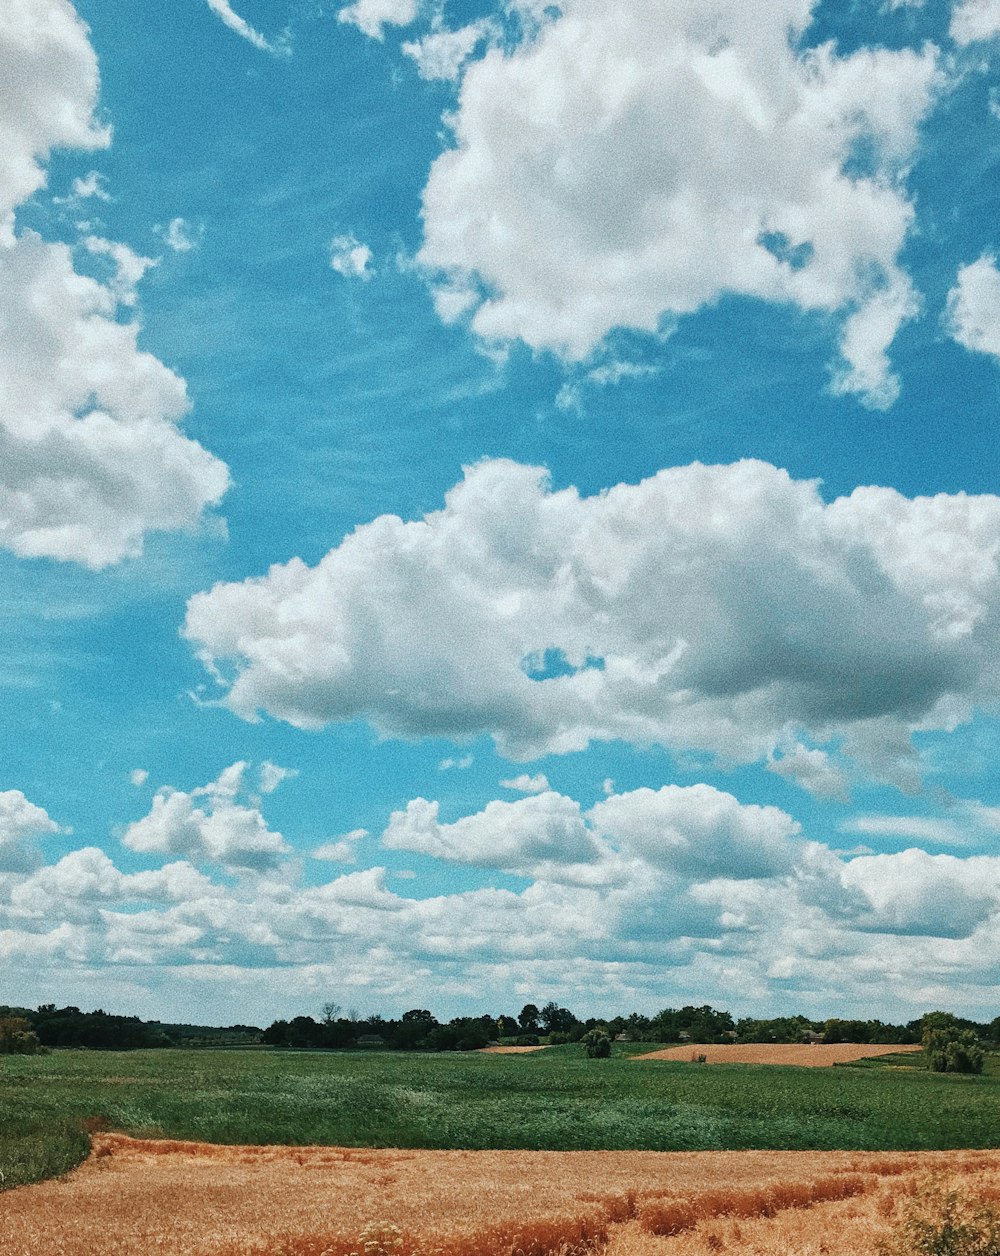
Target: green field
(556, 1099)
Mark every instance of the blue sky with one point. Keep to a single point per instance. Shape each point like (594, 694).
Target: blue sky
(498, 502)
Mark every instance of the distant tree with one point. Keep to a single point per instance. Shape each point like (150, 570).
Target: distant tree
(527, 1018)
(329, 1012)
(555, 1019)
(506, 1026)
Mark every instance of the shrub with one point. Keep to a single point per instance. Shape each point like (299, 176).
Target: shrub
(597, 1044)
(526, 1040)
(16, 1037)
(951, 1050)
(942, 1221)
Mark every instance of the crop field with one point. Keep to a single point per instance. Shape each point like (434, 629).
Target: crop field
(133, 1197)
(547, 1100)
(818, 1055)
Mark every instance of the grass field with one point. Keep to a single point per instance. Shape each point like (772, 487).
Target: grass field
(553, 1099)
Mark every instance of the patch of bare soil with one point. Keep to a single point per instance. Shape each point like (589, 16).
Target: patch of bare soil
(814, 1055)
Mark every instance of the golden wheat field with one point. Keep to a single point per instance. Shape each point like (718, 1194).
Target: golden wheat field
(816, 1055)
(136, 1198)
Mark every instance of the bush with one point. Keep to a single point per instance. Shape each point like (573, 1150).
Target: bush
(597, 1044)
(945, 1222)
(16, 1037)
(952, 1050)
(526, 1040)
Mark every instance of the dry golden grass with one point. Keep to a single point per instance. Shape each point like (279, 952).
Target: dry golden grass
(816, 1055)
(135, 1198)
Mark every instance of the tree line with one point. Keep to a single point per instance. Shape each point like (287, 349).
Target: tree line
(952, 1042)
(24, 1031)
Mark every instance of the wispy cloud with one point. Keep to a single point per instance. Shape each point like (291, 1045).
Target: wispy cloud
(238, 24)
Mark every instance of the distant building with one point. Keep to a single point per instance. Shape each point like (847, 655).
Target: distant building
(371, 1040)
(811, 1036)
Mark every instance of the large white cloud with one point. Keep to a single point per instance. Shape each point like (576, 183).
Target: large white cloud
(209, 825)
(91, 454)
(639, 161)
(718, 608)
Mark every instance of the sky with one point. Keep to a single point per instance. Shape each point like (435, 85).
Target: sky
(499, 503)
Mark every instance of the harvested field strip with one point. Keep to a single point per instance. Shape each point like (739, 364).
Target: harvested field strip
(816, 1055)
(512, 1050)
(133, 1197)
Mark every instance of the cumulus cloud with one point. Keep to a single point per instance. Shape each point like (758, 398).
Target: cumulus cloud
(208, 825)
(635, 162)
(350, 258)
(50, 78)
(651, 896)
(372, 16)
(712, 608)
(138, 777)
(975, 20)
(91, 453)
(973, 316)
(20, 821)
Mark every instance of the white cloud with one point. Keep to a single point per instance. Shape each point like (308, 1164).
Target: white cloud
(635, 162)
(138, 777)
(973, 317)
(21, 820)
(86, 187)
(129, 267)
(450, 764)
(224, 10)
(270, 776)
(698, 832)
(91, 453)
(974, 20)
(220, 830)
(525, 784)
(681, 894)
(517, 836)
(814, 770)
(441, 54)
(714, 608)
(933, 829)
(372, 16)
(350, 258)
(180, 235)
(50, 78)
(341, 849)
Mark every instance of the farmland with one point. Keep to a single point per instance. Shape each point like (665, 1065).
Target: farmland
(818, 1055)
(135, 1196)
(549, 1100)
